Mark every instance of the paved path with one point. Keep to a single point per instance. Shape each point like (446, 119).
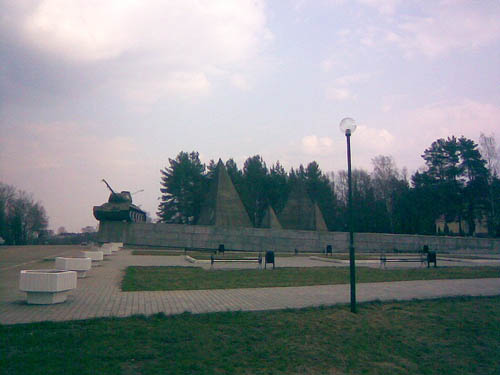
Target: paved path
(99, 295)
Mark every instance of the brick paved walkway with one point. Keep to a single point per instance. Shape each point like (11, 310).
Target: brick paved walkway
(99, 295)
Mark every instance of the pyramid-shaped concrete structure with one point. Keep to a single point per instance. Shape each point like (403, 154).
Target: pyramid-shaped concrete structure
(319, 220)
(223, 206)
(270, 220)
(300, 213)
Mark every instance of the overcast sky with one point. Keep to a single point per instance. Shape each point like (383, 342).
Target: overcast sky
(93, 89)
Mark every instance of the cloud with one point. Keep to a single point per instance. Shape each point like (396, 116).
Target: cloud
(221, 31)
(432, 29)
(349, 79)
(240, 81)
(374, 140)
(465, 117)
(181, 84)
(89, 30)
(339, 94)
(327, 65)
(340, 89)
(393, 102)
(330, 152)
(447, 26)
(146, 49)
(386, 7)
(412, 131)
(449, 30)
(314, 145)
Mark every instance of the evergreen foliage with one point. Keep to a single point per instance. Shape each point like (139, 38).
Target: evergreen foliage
(184, 184)
(256, 185)
(456, 182)
(278, 187)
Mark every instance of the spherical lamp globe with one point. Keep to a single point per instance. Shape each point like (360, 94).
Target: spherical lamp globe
(347, 126)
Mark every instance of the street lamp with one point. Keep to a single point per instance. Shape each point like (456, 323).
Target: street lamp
(348, 126)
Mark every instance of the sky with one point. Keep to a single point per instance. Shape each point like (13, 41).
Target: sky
(93, 89)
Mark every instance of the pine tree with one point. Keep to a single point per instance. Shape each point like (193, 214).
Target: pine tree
(455, 181)
(319, 189)
(256, 183)
(184, 186)
(278, 187)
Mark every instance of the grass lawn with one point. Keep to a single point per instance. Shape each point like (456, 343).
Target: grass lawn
(446, 336)
(192, 278)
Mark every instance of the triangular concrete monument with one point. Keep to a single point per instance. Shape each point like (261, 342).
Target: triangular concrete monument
(319, 220)
(223, 206)
(300, 213)
(270, 219)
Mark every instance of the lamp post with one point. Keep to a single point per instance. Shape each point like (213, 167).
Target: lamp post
(348, 126)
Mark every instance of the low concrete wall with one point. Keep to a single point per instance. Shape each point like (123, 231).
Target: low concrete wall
(256, 239)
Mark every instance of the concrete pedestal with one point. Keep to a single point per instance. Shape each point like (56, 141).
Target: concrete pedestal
(106, 249)
(95, 256)
(79, 265)
(44, 287)
(115, 246)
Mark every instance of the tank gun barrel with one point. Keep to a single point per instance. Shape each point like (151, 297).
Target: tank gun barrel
(109, 187)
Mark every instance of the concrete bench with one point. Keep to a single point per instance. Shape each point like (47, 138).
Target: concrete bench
(80, 265)
(44, 287)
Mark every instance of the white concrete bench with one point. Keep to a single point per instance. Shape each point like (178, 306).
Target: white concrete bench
(44, 287)
(79, 265)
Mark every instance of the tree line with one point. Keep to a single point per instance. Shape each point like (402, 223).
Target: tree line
(459, 182)
(21, 218)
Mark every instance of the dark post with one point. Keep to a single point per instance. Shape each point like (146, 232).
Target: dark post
(352, 264)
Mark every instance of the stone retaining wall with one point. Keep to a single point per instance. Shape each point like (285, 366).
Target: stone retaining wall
(256, 239)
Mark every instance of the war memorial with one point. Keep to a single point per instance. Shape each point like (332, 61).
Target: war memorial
(224, 220)
(90, 314)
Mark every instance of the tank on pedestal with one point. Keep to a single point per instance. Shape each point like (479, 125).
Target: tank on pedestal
(119, 208)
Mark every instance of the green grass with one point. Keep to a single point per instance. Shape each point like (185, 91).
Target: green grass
(191, 278)
(446, 336)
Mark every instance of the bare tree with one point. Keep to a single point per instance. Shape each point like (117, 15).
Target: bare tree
(7, 194)
(490, 153)
(385, 173)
